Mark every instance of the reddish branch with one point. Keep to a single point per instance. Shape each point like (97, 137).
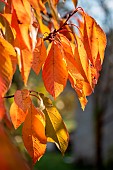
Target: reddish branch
(6, 97)
(52, 34)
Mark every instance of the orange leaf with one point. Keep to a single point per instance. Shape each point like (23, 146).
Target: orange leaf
(101, 41)
(94, 39)
(79, 88)
(38, 6)
(54, 71)
(6, 68)
(94, 43)
(39, 55)
(24, 31)
(78, 68)
(34, 133)
(22, 99)
(5, 20)
(23, 39)
(72, 65)
(17, 115)
(10, 157)
(21, 12)
(82, 60)
(25, 64)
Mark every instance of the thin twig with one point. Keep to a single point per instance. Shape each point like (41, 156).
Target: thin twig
(8, 96)
(52, 34)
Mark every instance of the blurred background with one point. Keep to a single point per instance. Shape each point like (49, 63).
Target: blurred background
(91, 139)
(91, 131)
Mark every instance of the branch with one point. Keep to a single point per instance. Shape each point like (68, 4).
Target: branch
(52, 34)
(6, 97)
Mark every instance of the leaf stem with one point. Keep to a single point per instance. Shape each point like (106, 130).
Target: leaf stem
(34, 96)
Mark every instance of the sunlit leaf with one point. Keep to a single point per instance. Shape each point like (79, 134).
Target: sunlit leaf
(39, 55)
(54, 71)
(6, 28)
(38, 6)
(34, 133)
(6, 67)
(17, 115)
(22, 39)
(22, 99)
(95, 38)
(21, 12)
(43, 28)
(26, 64)
(55, 129)
(80, 89)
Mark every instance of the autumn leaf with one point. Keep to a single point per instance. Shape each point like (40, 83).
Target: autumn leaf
(22, 14)
(78, 86)
(54, 71)
(17, 115)
(78, 68)
(8, 150)
(20, 106)
(22, 39)
(26, 59)
(5, 20)
(22, 99)
(34, 133)
(94, 39)
(55, 129)
(42, 27)
(6, 67)
(39, 56)
(38, 6)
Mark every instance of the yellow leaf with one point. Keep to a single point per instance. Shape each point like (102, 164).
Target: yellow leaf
(55, 129)
(34, 133)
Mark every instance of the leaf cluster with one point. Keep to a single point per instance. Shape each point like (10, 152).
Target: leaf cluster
(63, 50)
